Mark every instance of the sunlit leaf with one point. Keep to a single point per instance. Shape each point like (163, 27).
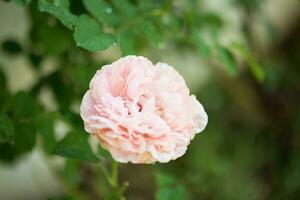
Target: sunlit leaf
(59, 9)
(125, 7)
(102, 11)
(88, 35)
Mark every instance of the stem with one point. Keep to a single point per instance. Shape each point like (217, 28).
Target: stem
(113, 181)
(114, 174)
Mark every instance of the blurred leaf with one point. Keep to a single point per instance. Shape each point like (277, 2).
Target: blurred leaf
(25, 137)
(71, 172)
(152, 33)
(88, 35)
(255, 68)
(2, 80)
(5, 95)
(7, 152)
(54, 40)
(102, 11)
(59, 9)
(76, 146)
(35, 59)
(80, 76)
(6, 129)
(227, 58)
(169, 188)
(126, 40)
(200, 44)
(103, 153)
(125, 7)
(11, 47)
(24, 105)
(44, 123)
(63, 93)
(212, 20)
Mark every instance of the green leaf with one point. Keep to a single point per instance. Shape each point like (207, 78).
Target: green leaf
(5, 95)
(200, 44)
(102, 11)
(255, 68)
(76, 146)
(24, 105)
(6, 129)
(25, 137)
(227, 58)
(103, 153)
(2, 80)
(54, 41)
(11, 47)
(152, 33)
(169, 188)
(126, 40)
(125, 8)
(88, 35)
(7, 152)
(44, 123)
(71, 172)
(59, 9)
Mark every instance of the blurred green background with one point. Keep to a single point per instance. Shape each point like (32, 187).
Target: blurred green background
(240, 57)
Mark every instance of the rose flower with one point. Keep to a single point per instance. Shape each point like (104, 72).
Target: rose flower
(140, 112)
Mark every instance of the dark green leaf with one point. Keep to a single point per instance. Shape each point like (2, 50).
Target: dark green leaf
(76, 146)
(35, 59)
(44, 123)
(11, 47)
(102, 11)
(71, 172)
(88, 35)
(7, 152)
(169, 188)
(59, 9)
(24, 105)
(5, 95)
(2, 80)
(25, 137)
(227, 58)
(53, 40)
(6, 129)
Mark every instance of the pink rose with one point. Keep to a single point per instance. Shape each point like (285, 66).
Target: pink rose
(140, 112)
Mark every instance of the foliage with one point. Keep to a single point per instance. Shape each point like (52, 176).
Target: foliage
(249, 149)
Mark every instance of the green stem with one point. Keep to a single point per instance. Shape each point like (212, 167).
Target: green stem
(114, 174)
